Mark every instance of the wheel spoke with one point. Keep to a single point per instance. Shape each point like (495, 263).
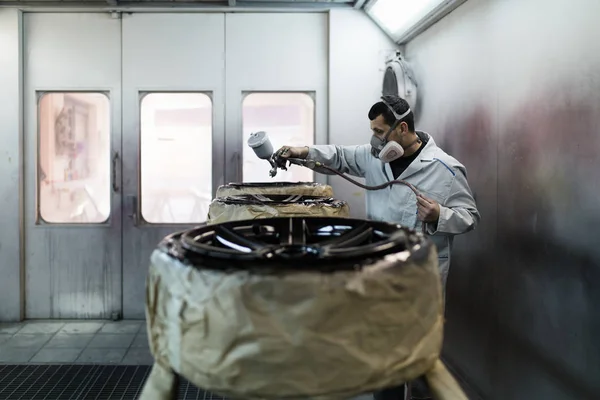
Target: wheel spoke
(293, 231)
(285, 231)
(231, 239)
(353, 238)
(299, 231)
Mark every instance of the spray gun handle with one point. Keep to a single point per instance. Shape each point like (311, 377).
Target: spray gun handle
(308, 163)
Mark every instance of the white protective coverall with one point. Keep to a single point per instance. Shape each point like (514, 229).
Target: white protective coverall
(435, 174)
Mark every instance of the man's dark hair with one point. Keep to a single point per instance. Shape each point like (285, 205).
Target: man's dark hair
(399, 105)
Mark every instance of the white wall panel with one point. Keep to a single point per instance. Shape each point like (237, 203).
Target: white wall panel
(357, 52)
(10, 161)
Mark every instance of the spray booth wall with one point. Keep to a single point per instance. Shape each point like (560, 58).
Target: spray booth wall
(512, 89)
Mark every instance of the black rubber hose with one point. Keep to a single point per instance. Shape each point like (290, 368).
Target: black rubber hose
(312, 164)
(377, 187)
(317, 164)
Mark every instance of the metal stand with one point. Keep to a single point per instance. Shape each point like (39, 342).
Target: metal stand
(162, 384)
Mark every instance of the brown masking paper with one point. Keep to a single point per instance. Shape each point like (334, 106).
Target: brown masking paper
(291, 334)
(220, 210)
(284, 188)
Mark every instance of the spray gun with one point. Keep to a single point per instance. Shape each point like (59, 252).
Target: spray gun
(260, 143)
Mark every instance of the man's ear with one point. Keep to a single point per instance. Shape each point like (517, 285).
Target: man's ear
(403, 127)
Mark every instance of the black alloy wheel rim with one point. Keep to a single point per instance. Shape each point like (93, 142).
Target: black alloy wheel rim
(302, 243)
(275, 199)
(269, 184)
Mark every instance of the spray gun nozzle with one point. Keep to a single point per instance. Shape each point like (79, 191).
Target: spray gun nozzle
(275, 164)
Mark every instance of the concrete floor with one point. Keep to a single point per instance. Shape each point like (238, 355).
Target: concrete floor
(85, 342)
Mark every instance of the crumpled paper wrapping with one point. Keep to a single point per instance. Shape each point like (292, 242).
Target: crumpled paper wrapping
(290, 334)
(224, 210)
(265, 188)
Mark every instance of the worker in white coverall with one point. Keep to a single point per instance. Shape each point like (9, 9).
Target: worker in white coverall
(397, 151)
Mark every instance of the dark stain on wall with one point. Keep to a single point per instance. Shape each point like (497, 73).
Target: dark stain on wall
(528, 286)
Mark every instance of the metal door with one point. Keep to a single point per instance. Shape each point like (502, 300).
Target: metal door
(173, 119)
(72, 125)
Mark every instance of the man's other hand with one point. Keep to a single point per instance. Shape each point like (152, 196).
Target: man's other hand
(428, 210)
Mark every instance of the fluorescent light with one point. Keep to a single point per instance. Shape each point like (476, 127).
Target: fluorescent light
(398, 16)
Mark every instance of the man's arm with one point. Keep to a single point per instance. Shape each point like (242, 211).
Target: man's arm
(459, 213)
(346, 159)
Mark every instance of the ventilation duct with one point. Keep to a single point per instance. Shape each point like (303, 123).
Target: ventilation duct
(398, 80)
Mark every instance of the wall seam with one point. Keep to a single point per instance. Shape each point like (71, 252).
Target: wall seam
(21, 165)
(122, 192)
(327, 135)
(224, 107)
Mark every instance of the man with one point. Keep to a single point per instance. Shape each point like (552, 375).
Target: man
(445, 204)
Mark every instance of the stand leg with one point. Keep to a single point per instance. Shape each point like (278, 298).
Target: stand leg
(443, 385)
(162, 384)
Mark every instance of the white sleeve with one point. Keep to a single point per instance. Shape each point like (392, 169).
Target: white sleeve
(346, 159)
(459, 212)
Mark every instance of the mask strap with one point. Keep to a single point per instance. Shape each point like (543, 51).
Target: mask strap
(418, 140)
(396, 115)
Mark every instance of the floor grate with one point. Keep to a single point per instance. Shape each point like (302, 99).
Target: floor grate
(85, 382)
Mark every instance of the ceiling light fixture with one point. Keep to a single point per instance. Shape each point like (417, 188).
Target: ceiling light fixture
(399, 17)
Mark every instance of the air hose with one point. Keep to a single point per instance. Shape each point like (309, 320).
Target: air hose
(312, 164)
(316, 164)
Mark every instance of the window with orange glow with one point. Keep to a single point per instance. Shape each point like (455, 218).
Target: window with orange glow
(176, 157)
(74, 158)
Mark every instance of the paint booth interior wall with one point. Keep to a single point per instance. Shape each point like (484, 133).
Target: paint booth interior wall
(512, 89)
(357, 54)
(10, 159)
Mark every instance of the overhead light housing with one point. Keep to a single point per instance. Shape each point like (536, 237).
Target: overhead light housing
(404, 19)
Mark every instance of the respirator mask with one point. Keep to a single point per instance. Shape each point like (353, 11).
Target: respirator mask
(388, 151)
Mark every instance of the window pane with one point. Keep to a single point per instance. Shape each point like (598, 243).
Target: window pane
(74, 158)
(176, 157)
(288, 119)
